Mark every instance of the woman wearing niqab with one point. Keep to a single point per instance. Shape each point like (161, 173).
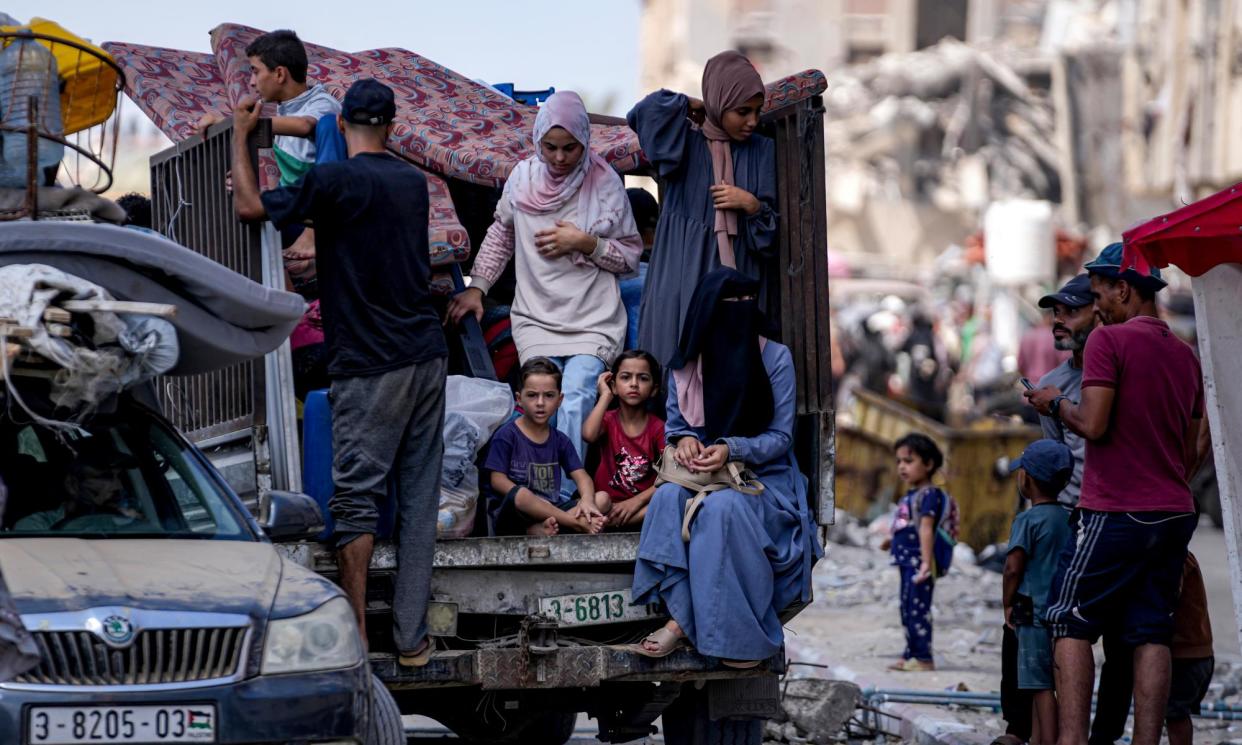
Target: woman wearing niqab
(749, 557)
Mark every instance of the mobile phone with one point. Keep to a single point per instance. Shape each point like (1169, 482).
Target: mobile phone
(1026, 383)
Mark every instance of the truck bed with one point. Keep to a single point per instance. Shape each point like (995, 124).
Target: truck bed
(500, 638)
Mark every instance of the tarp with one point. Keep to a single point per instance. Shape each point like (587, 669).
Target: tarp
(222, 317)
(1195, 238)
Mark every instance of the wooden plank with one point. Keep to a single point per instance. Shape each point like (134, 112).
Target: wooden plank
(163, 310)
(823, 304)
(805, 269)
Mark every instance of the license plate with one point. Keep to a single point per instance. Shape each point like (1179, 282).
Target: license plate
(105, 725)
(593, 608)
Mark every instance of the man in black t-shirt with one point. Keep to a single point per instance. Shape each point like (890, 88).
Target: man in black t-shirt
(387, 357)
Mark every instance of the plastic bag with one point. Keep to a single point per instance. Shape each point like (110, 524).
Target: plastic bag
(474, 409)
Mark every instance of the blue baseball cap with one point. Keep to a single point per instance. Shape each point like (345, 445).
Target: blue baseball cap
(1044, 460)
(368, 101)
(1076, 294)
(1109, 264)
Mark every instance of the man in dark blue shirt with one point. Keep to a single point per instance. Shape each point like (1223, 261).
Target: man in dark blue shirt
(387, 357)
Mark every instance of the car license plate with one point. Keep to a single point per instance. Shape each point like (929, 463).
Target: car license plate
(593, 608)
(105, 725)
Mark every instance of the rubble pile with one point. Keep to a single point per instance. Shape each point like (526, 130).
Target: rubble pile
(952, 124)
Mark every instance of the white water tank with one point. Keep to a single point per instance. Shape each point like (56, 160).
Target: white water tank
(1019, 242)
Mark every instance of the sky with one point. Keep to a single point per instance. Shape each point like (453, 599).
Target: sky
(590, 46)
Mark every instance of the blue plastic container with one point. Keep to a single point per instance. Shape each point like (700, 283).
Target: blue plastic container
(317, 465)
(530, 98)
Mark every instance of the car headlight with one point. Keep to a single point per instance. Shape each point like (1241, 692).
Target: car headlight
(324, 639)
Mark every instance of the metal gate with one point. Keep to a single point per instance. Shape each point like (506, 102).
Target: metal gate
(191, 204)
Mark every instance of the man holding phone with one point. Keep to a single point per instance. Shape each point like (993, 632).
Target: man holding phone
(1140, 413)
(1073, 319)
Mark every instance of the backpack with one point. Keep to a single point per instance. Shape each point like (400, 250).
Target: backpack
(946, 530)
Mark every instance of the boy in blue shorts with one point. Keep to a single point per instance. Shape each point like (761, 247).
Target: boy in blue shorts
(1036, 541)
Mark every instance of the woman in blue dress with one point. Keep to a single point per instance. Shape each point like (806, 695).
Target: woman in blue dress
(749, 557)
(720, 191)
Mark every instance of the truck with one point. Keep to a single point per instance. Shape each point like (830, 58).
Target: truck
(530, 631)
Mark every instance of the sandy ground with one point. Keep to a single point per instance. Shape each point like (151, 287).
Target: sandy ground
(853, 630)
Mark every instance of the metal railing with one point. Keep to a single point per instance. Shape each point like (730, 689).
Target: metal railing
(192, 204)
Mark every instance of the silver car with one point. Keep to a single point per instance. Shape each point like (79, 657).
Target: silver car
(161, 609)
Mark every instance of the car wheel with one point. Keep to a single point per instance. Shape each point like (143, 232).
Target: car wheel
(685, 722)
(385, 725)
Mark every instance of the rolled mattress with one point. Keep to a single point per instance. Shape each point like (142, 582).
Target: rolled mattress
(222, 317)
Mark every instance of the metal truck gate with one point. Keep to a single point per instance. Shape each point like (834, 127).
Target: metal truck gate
(191, 204)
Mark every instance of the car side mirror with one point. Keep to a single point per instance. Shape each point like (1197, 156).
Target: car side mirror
(290, 516)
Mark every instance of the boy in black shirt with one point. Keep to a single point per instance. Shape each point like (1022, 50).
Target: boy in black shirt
(386, 351)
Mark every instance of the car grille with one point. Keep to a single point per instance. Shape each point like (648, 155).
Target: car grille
(79, 658)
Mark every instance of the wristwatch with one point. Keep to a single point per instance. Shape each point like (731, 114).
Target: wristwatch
(1055, 407)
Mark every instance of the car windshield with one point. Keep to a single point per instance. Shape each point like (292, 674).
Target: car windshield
(126, 477)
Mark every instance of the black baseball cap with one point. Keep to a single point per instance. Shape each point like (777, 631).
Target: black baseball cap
(1075, 294)
(369, 101)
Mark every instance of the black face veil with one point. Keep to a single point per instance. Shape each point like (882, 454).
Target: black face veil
(723, 329)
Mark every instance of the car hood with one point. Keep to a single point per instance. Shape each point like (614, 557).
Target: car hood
(48, 575)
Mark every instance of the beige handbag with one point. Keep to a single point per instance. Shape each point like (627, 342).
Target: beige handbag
(734, 475)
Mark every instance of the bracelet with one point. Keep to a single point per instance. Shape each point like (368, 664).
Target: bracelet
(512, 495)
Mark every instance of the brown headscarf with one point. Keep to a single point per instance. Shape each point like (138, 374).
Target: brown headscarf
(729, 80)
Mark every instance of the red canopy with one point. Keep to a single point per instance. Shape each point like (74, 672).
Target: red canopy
(1196, 237)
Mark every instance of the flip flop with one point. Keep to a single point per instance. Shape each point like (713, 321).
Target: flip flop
(666, 641)
(419, 658)
(742, 664)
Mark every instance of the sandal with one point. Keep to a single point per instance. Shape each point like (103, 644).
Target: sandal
(666, 641)
(742, 664)
(419, 658)
(912, 666)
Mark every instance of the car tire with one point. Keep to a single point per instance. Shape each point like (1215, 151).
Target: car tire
(385, 726)
(550, 728)
(685, 722)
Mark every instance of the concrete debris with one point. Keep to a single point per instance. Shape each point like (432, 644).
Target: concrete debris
(818, 709)
(951, 124)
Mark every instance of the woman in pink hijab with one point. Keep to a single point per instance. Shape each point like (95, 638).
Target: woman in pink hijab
(720, 192)
(565, 221)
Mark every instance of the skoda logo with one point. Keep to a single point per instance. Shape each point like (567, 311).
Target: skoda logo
(118, 630)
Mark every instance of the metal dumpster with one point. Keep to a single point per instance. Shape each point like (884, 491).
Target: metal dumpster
(867, 481)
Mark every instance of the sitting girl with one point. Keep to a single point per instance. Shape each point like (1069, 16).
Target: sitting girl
(527, 458)
(631, 439)
(565, 221)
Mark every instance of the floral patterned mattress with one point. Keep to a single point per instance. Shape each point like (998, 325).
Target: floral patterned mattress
(175, 88)
(446, 123)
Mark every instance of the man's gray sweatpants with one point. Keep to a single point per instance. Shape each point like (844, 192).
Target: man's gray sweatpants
(382, 424)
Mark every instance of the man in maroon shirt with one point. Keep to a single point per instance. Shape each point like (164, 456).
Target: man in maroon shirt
(1140, 413)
